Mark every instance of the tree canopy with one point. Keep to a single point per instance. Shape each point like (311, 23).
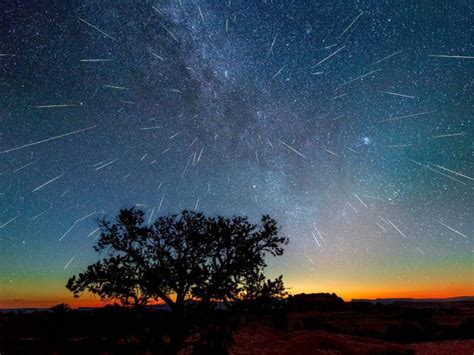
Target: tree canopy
(186, 256)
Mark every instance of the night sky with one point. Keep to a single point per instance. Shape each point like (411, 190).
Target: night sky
(348, 122)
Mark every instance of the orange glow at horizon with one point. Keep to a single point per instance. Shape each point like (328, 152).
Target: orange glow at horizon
(349, 293)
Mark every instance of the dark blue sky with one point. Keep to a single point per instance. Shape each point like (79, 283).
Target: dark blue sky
(349, 122)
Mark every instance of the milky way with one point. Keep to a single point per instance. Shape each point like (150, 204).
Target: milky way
(350, 123)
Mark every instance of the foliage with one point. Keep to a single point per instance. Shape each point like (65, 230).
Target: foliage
(61, 308)
(181, 258)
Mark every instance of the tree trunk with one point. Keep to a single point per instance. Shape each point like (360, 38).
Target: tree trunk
(179, 329)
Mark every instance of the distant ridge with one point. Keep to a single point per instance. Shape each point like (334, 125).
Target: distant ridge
(24, 309)
(415, 300)
(48, 309)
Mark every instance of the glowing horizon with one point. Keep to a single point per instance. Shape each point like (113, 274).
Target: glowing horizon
(28, 296)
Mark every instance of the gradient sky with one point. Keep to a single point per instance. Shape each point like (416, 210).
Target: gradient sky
(348, 122)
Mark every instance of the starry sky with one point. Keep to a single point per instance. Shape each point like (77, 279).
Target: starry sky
(350, 122)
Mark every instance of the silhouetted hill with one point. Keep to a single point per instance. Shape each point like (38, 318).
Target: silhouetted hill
(303, 301)
(388, 301)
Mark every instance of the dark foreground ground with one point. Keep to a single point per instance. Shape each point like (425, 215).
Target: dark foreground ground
(299, 328)
(364, 328)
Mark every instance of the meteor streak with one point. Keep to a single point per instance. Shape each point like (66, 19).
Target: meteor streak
(47, 140)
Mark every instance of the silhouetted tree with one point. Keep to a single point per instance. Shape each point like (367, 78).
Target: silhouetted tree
(61, 308)
(182, 257)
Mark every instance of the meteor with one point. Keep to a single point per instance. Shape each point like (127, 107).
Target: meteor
(97, 29)
(47, 140)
